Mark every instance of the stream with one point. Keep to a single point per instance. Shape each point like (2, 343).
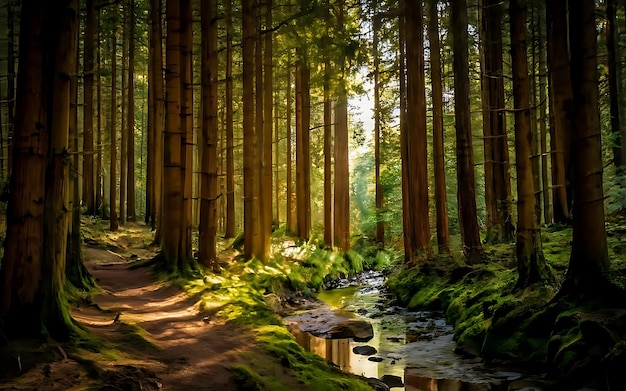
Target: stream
(410, 350)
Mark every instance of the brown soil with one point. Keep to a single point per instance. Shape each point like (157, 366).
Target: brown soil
(156, 337)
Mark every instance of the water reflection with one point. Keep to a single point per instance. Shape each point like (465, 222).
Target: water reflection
(415, 382)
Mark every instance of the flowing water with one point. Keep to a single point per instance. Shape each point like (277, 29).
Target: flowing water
(409, 350)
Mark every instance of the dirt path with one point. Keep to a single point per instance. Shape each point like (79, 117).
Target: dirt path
(159, 328)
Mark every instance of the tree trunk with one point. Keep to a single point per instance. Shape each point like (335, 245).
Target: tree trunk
(260, 239)
(130, 121)
(531, 264)
(207, 243)
(497, 180)
(250, 178)
(443, 235)
(328, 157)
(562, 105)
(88, 70)
(341, 205)
(173, 178)
(303, 148)
(406, 220)
(589, 263)
(186, 128)
(470, 235)
(124, 108)
(98, 151)
(230, 146)
(113, 222)
(380, 224)
(614, 83)
(32, 277)
(416, 137)
(268, 106)
(289, 177)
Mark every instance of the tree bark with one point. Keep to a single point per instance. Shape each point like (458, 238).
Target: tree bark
(470, 235)
(614, 83)
(416, 137)
(113, 221)
(289, 175)
(561, 100)
(207, 243)
(230, 160)
(497, 177)
(531, 264)
(441, 203)
(268, 106)
(88, 151)
(303, 151)
(380, 224)
(130, 121)
(589, 263)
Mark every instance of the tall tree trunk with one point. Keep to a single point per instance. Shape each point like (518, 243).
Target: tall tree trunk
(497, 179)
(303, 151)
(98, 151)
(113, 221)
(614, 83)
(250, 178)
(32, 276)
(207, 243)
(406, 220)
(531, 264)
(124, 116)
(328, 158)
(186, 128)
(130, 121)
(156, 111)
(561, 99)
(441, 203)
(88, 70)
(341, 205)
(268, 105)
(173, 178)
(470, 235)
(230, 146)
(380, 224)
(543, 131)
(260, 239)
(589, 263)
(289, 177)
(11, 93)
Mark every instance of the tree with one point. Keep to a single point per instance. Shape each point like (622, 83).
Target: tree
(113, 221)
(416, 138)
(130, 121)
(497, 182)
(470, 235)
(443, 235)
(32, 277)
(303, 147)
(88, 163)
(207, 243)
(230, 160)
(531, 264)
(561, 109)
(619, 156)
(250, 175)
(589, 262)
(380, 225)
(268, 105)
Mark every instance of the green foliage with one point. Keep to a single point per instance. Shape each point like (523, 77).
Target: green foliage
(615, 192)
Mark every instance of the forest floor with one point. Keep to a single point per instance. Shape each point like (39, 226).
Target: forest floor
(151, 335)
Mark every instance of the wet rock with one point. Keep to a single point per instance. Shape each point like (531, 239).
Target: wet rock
(376, 384)
(329, 324)
(364, 350)
(392, 381)
(375, 359)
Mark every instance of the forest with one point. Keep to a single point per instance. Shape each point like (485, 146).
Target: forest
(312, 195)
